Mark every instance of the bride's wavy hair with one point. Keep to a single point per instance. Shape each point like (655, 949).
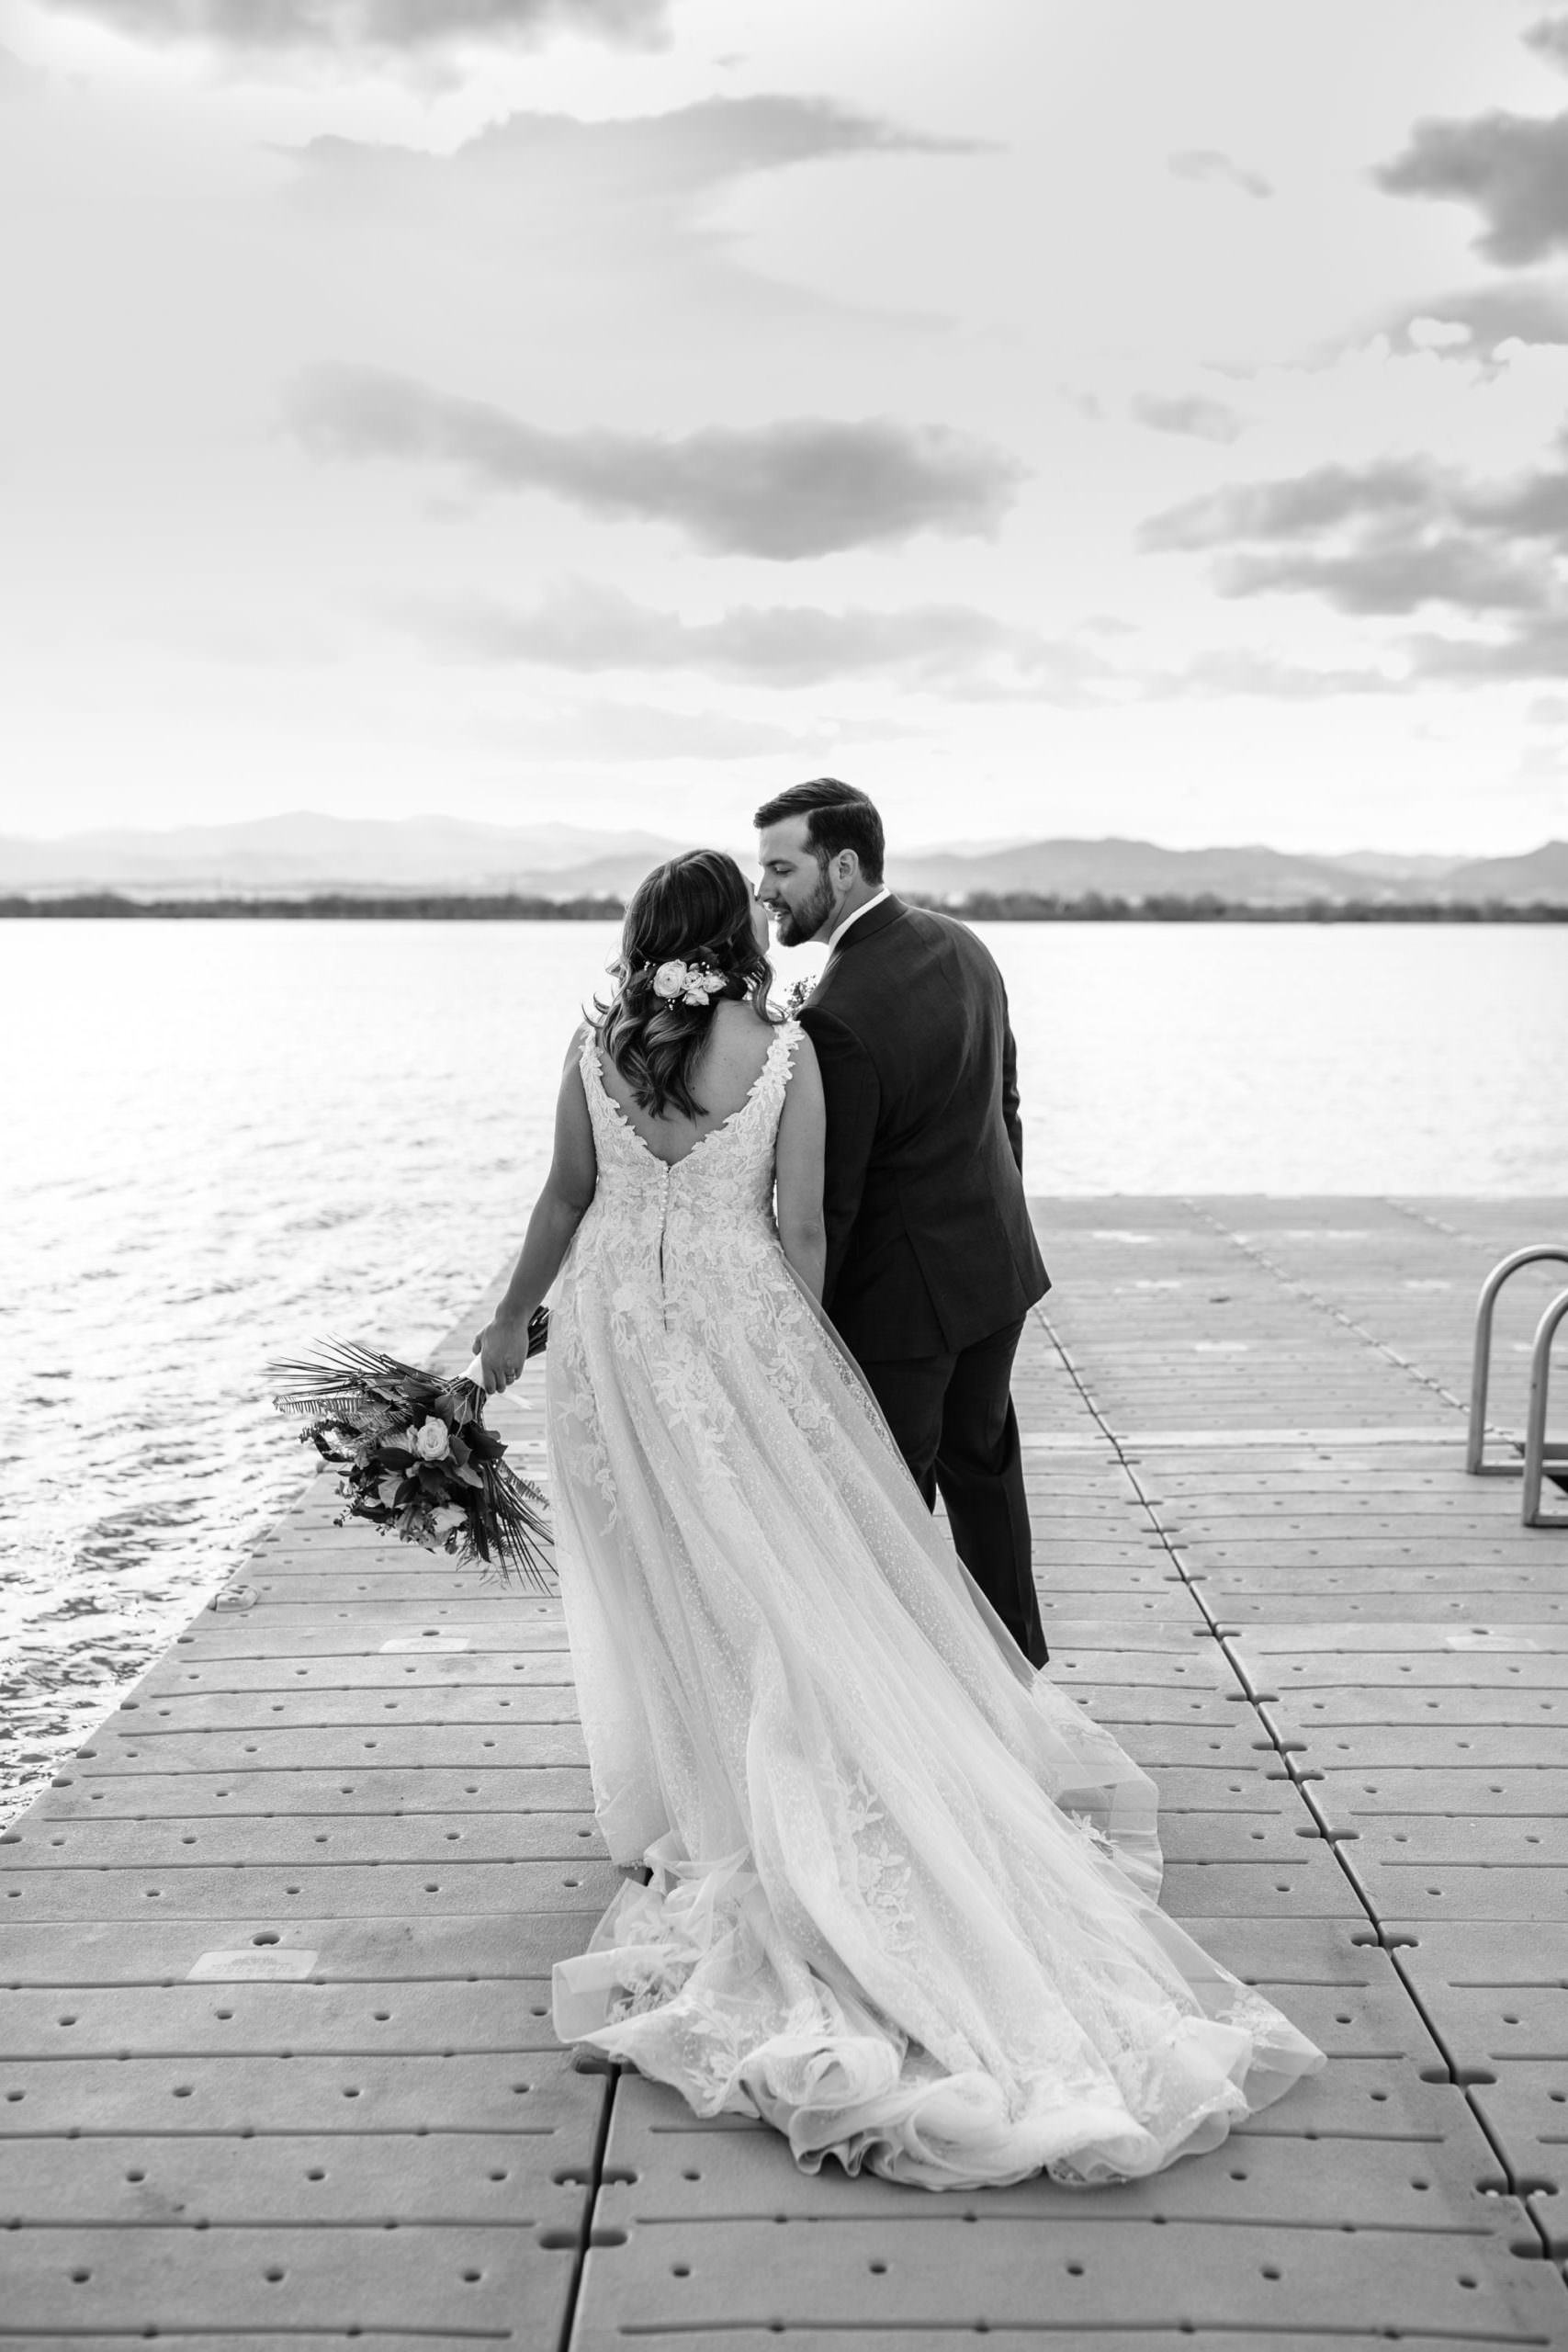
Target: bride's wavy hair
(697, 909)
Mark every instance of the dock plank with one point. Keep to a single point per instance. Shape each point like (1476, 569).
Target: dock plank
(275, 1946)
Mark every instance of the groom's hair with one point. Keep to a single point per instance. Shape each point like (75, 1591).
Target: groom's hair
(838, 817)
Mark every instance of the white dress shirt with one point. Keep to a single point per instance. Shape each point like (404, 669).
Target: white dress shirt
(875, 901)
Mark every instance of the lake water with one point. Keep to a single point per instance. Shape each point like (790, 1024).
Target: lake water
(226, 1139)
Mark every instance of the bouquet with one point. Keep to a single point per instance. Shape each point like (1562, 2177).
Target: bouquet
(414, 1456)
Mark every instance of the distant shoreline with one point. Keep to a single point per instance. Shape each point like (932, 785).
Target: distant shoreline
(1019, 906)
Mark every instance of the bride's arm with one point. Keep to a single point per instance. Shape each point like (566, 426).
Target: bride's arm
(802, 1126)
(558, 1210)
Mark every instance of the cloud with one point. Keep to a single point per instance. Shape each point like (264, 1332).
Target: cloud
(370, 28)
(1388, 536)
(1474, 321)
(618, 220)
(1207, 163)
(1187, 413)
(1512, 167)
(803, 487)
(1393, 576)
(632, 158)
(1548, 38)
(1299, 505)
(949, 648)
(1537, 648)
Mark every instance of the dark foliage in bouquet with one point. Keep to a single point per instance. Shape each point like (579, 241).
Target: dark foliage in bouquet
(415, 1458)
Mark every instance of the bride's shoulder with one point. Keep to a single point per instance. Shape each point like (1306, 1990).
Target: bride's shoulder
(743, 1028)
(577, 1044)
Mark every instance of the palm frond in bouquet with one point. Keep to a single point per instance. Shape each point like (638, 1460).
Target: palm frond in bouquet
(414, 1457)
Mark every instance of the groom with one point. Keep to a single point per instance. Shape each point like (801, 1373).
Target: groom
(932, 1264)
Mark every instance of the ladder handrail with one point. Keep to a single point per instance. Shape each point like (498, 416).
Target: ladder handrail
(1535, 1427)
(1481, 1367)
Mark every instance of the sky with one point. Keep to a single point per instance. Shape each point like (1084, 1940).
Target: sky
(1085, 417)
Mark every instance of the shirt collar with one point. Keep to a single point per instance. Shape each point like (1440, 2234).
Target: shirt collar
(875, 901)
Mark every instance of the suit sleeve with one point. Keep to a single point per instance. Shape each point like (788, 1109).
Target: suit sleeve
(854, 1099)
(1010, 1114)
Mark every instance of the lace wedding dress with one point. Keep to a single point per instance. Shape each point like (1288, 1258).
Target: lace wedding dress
(902, 1893)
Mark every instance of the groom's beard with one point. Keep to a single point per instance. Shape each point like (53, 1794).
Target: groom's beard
(797, 925)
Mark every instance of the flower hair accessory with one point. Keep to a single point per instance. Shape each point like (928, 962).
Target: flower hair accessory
(693, 984)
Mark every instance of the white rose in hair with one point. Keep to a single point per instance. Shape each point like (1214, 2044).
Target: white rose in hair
(670, 980)
(432, 1440)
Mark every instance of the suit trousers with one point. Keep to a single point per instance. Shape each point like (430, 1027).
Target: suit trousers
(954, 1420)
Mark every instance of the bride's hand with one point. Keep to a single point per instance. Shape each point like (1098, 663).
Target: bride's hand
(503, 1350)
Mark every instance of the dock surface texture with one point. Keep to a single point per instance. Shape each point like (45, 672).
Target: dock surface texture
(278, 2067)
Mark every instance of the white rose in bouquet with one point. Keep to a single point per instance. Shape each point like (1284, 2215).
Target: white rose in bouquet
(433, 1440)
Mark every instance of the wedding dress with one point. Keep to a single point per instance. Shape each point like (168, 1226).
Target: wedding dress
(903, 1890)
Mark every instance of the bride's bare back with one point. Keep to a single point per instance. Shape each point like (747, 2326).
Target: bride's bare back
(727, 1069)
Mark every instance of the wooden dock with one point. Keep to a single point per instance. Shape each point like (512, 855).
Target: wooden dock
(276, 2055)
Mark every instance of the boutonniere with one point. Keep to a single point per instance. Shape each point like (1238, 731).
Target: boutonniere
(799, 995)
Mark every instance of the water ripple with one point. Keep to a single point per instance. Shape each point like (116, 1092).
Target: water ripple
(212, 1170)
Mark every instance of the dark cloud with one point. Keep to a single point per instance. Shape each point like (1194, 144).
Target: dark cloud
(804, 487)
(1396, 537)
(1548, 38)
(1512, 167)
(637, 156)
(1522, 311)
(1295, 508)
(1205, 420)
(1393, 575)
(1207, 163)
(1534, 649)
(386, 27)
(582, 627)
(1533, 506)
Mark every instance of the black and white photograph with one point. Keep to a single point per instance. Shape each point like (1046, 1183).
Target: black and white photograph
(784, 1342)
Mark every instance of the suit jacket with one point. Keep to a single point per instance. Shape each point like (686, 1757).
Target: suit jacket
(930, 1243)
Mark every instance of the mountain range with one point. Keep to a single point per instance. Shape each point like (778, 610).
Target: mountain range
(302, 854)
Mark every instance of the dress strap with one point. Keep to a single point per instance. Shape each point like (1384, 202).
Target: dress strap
(776, 1070)
(790, 1033)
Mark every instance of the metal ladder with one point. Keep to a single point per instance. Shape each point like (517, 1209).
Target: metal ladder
(1536, 1453)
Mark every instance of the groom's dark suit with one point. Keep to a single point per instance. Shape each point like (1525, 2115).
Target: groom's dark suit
(932, 1263)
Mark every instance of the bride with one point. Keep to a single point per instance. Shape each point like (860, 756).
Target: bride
(902, 1900)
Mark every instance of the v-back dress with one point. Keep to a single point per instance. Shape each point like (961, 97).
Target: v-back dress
(903, 1894)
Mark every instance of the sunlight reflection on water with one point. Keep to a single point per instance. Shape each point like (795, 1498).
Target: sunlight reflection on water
(228, 1139)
